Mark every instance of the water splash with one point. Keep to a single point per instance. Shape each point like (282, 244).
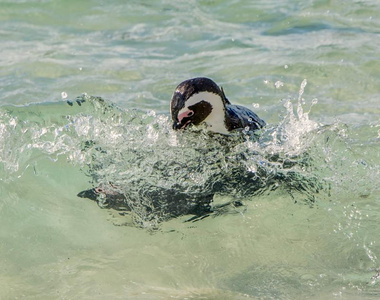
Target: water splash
(169, 173)
(289, 136)
(153, 166)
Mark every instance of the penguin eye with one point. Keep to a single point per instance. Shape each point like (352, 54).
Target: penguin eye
(190, 113)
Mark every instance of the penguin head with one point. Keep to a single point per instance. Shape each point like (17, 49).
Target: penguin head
(199, 101)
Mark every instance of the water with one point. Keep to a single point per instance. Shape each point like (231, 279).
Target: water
(290, 239)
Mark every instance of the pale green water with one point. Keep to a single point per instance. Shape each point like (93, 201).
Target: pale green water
(56, 246)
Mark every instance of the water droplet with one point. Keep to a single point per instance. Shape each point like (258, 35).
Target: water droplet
(279, 84)
(13, 122)
(151, 113)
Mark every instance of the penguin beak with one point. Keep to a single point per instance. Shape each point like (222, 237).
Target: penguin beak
(184, 119)
(177, 126)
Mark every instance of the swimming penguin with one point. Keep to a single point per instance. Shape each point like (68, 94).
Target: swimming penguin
(196, 101)
(200, 101)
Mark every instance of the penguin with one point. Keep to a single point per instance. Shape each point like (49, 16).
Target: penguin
(200, 101)
(195, 102)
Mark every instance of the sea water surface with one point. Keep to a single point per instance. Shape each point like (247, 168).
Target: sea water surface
(310, 69)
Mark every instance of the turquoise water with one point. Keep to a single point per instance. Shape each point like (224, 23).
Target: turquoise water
(310, 70)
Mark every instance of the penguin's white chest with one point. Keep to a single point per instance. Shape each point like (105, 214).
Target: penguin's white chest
(215, 123)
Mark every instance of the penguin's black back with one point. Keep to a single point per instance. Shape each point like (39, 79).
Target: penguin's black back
(241, 117)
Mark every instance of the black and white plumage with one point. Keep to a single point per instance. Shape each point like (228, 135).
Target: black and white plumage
(199, 101)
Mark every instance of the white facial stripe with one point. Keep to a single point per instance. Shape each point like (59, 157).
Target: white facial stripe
(215, 120)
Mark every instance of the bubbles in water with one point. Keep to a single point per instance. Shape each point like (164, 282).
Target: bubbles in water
(64, 95)
(256, 105)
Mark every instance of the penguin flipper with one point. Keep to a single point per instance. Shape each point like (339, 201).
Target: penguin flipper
(106, 199)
